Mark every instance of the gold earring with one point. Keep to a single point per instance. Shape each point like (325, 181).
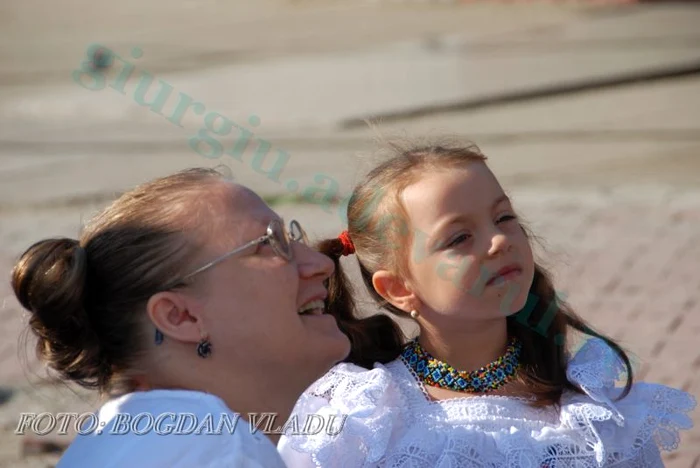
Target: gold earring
(414, 314)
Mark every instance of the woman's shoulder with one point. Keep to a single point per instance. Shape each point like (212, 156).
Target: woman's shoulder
(159, 400)
(170, 428)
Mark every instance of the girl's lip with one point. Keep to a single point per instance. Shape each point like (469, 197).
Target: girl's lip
(506, 272)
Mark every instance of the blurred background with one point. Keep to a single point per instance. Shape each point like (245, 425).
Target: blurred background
(589, 113)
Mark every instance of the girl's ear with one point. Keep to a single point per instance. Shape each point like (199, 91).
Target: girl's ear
(394, 290)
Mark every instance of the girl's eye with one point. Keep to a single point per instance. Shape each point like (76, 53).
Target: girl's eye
(505, 218)
(458, 240)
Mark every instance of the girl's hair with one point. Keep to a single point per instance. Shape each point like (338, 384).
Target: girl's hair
(378, 229)
(87, 297)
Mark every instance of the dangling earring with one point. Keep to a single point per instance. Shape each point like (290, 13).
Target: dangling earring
(204, 347)
(414, 314)
(159, 337)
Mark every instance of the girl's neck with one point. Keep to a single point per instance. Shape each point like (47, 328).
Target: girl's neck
(466, 348)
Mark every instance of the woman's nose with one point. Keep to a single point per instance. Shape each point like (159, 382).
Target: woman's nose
(313, 263)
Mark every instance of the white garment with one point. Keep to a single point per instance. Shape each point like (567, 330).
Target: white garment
(222, 444)
(392, 422)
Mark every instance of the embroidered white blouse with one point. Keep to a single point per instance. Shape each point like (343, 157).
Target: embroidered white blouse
(391, 422)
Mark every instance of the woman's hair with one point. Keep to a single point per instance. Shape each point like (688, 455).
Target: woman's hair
(87, 297)
(378, 228)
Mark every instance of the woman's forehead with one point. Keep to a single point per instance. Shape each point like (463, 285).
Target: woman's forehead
(241, 214)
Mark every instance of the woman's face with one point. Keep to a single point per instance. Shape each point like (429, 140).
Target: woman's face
(471, 258)
(252, 301)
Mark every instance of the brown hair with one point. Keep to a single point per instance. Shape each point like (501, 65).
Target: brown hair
(87, 297)
(377, 227)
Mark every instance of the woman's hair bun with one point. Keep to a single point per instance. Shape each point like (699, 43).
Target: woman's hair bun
(50, 280)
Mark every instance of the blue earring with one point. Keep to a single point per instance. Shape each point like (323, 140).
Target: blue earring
(159, 337)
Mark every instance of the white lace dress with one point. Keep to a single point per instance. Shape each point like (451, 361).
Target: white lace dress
(392, 423)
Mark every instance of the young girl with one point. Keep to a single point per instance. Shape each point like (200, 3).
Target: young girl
(489, 381)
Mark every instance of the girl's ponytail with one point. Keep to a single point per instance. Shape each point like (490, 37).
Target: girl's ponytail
(373, 339)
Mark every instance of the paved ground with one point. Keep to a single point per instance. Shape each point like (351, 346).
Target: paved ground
(609, 178)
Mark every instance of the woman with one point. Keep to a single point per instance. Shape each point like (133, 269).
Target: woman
(186, 296)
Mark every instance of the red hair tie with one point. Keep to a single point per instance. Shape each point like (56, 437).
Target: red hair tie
(348, 246)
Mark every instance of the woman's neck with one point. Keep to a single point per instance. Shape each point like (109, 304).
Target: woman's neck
(466, 348)
(264, 406)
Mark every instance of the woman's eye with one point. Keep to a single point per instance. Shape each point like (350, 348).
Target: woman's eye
(261, 245)
(458, 240)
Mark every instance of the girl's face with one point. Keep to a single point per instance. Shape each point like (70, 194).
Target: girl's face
(469, 257)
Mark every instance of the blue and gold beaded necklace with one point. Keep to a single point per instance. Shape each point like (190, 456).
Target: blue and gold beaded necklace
(439, 374)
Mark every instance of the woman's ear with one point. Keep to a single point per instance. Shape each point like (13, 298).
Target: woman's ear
(169, 313)
(394, 290)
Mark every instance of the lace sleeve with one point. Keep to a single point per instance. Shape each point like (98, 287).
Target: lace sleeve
(365, 404)
(647, 456)
(649, 418)
(595, 369)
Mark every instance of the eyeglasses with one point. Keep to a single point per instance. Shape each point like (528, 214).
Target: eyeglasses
(277, 237)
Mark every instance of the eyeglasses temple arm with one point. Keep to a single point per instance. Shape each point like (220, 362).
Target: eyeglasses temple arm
(259, 240)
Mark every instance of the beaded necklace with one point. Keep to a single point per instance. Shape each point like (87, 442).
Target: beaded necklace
(439, 374)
